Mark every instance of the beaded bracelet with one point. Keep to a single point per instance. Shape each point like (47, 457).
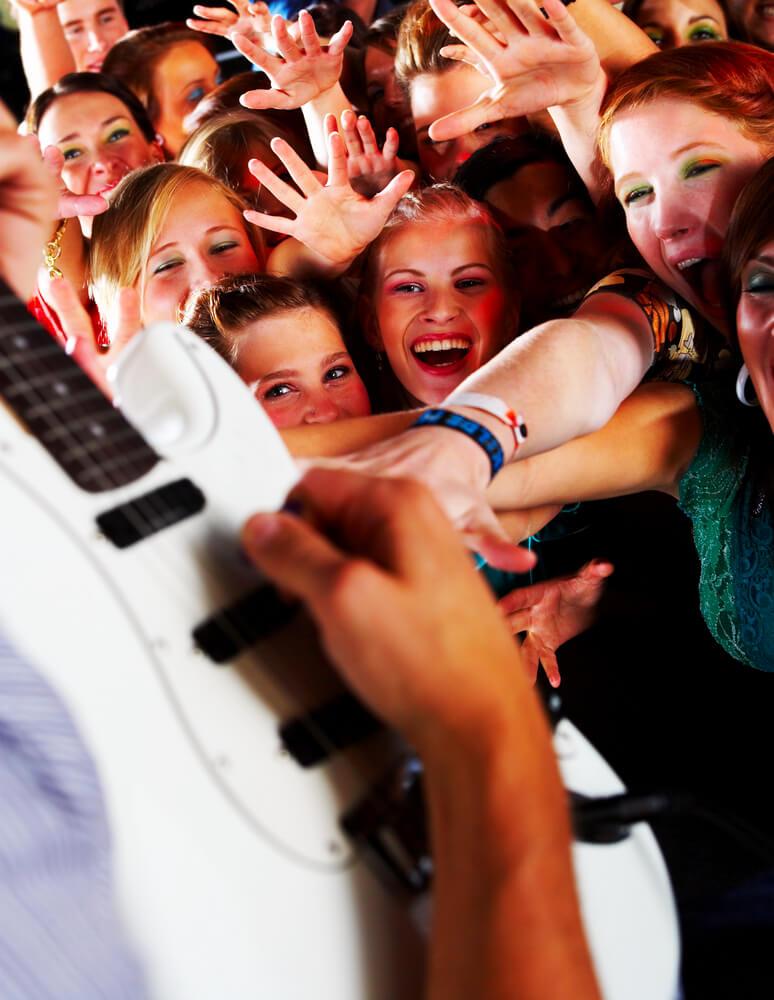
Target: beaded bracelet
(496, 408)
(483, 437)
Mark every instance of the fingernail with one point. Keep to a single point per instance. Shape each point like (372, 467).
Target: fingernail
(261, 528)
(293, 506)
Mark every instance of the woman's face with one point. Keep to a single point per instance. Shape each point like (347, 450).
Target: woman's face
(440, 307)
(297, 366)
(434, 95)
(99, 139)
(387, 101)
(756, 18)
(203, 239)
(678, 170)
(755, 325)
(673, 23)
(557, 246)
(185, 75)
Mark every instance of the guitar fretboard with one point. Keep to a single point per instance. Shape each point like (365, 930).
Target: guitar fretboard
(90, 439)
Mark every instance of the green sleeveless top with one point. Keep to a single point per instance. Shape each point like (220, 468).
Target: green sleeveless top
(733, 532)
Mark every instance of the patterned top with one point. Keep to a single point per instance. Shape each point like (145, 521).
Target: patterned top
(683, 344)
(733, 532)
(60, 935)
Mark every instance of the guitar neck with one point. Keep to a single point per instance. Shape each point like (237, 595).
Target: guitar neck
(84, 433)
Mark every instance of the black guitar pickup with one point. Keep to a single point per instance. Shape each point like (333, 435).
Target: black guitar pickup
(340, 723)
(235, 628)
(146, 515)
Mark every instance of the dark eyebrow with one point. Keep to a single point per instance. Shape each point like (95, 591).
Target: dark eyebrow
(336, 356)
(557, 203)
(473, 263)
(80, 20)
(404, 270)
(107, 121)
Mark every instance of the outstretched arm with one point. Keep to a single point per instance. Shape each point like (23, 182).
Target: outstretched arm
(506, 920)
(45, 53)
(302, 75)
(560, 62)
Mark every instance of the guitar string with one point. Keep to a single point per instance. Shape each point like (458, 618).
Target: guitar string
(104, 477)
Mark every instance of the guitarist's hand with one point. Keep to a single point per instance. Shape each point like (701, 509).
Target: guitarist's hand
(402, 612)
(28, 199)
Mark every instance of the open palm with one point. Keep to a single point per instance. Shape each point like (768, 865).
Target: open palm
(332, 219)
(251, 20)
(302, 70)
(534, 62)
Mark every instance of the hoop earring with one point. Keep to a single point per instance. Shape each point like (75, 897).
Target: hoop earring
(741, 388)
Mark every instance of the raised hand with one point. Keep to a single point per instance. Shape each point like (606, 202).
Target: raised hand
(250, 20)
(27, 206)
(332, 220)
(302, 71)
(552, 613)
(71, 205)
(534, 62)
(35, 6)
(368, 167)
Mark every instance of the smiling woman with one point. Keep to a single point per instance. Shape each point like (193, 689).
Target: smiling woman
(169, 231)
(435, 292)
(100, 128)
(170, 68)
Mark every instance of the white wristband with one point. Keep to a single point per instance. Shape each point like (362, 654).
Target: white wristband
(495, 407)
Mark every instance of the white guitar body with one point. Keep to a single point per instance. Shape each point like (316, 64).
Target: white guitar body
(233, 875)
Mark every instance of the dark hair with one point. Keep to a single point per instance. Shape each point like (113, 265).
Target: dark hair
(383, 33)
(89, 83)
(504, 156)
(329, 17)
(134, 57)
(751, 225)
(220, 313)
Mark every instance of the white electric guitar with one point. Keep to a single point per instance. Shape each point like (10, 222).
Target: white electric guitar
(229, 754)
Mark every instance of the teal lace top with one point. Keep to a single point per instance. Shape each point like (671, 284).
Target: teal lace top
(735, 545)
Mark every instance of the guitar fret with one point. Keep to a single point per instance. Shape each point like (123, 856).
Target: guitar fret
(20, 358)
(97, 424)
(92, 444)
(90, 474)
(62, 402)
(48, 381)
(63, 408)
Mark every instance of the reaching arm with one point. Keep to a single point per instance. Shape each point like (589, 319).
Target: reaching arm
(506, 920)
(560, 62)
(302, 75)
(45, 53)
(648, 445)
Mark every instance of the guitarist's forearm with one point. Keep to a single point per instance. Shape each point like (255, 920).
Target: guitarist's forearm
(506, 917)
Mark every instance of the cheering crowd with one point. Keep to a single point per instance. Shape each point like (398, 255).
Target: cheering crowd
(520, 253)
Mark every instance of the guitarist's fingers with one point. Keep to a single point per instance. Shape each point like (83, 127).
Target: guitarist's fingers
(293, 554)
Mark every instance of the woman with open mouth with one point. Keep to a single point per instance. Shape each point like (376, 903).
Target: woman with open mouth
(437, 302)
